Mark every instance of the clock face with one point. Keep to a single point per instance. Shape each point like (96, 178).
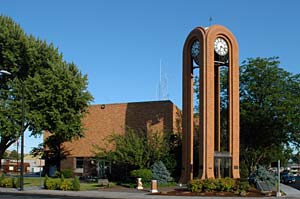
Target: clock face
(221, 47)
(195, 50)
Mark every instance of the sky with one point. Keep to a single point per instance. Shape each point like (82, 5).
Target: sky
(123, 45)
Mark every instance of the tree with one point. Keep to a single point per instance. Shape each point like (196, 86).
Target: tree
(137, 150)
(13, 155)
(56, 96)
(270, 111)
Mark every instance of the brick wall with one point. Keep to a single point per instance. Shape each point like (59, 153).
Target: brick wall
(103, 120)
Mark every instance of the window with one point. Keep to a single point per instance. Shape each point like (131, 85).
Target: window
(79, 163)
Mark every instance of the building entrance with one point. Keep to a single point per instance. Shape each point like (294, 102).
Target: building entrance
(223, 162)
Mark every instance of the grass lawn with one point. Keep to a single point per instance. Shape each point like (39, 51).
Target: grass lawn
(33, 181)
(39, 181)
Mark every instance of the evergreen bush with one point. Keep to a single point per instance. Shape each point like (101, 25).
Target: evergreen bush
(262, 174)
(45, 181)
(76, 184)
(67, 173)
(160, 173)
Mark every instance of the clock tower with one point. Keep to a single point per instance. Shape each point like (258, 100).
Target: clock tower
(214, 50)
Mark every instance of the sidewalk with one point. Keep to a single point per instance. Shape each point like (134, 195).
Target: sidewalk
(132, 194)
(290, 191)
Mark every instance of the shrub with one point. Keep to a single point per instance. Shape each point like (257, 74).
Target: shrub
(242, 186)
(45, 181)
(262, 174)
(67, 173)
(6, 182)
(195, 185)
(53, 184)
(210, 185)
(66, 185)
(76, 184)
(62, 178)
(226, 184)
(57, 174)
(2, 177)
(145, 174)
(17, 183)
(160, 172)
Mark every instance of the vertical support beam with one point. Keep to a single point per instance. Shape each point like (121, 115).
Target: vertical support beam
(187, 106)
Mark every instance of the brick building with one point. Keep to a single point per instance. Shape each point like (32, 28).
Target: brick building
(103, 120)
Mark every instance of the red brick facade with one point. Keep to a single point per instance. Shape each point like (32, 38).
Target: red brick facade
(103, 120)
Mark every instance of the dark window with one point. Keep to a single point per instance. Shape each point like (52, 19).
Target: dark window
(79, 163)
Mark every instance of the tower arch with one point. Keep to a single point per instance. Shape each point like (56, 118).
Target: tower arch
(217, 47)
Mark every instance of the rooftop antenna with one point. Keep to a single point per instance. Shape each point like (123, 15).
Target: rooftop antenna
(210, 20)
(163, 84)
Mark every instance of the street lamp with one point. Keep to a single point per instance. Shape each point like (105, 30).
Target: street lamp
(5, 72)
(22, 138)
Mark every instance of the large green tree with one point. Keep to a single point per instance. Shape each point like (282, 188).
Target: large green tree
(55, 92)
(270, 112)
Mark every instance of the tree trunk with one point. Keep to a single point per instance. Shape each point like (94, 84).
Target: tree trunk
(1, 155)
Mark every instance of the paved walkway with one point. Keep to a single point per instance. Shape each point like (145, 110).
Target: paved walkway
(290, 191)
(130, 194)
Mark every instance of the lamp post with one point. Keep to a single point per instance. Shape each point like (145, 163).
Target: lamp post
(5, 72)
(22, 139)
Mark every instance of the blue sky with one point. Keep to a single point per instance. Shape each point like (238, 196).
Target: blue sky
(119, 44)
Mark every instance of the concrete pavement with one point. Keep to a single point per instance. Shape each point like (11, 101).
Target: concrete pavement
(127, 194)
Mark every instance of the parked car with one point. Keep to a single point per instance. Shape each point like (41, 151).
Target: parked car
(288, 179)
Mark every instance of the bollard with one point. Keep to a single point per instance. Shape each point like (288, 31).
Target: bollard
(139, 184)
(153, 186)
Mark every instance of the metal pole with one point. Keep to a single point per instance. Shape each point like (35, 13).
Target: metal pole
(22, 140)
(18, 155)
(278, 169)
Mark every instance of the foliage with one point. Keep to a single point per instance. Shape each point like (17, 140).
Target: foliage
(226, 184)
(67, 173)
(137, 150)
(160, 172)
(270, 113)
(219, 185)
(53, 184)
(62, 184)
(242, 186)
(13, 155)
(16, 182)
(262, 174)
(7, 182)
(76, 184)
(145, 174)
(45, 181)
(195, 185)
(66, 185)
(55, 92)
